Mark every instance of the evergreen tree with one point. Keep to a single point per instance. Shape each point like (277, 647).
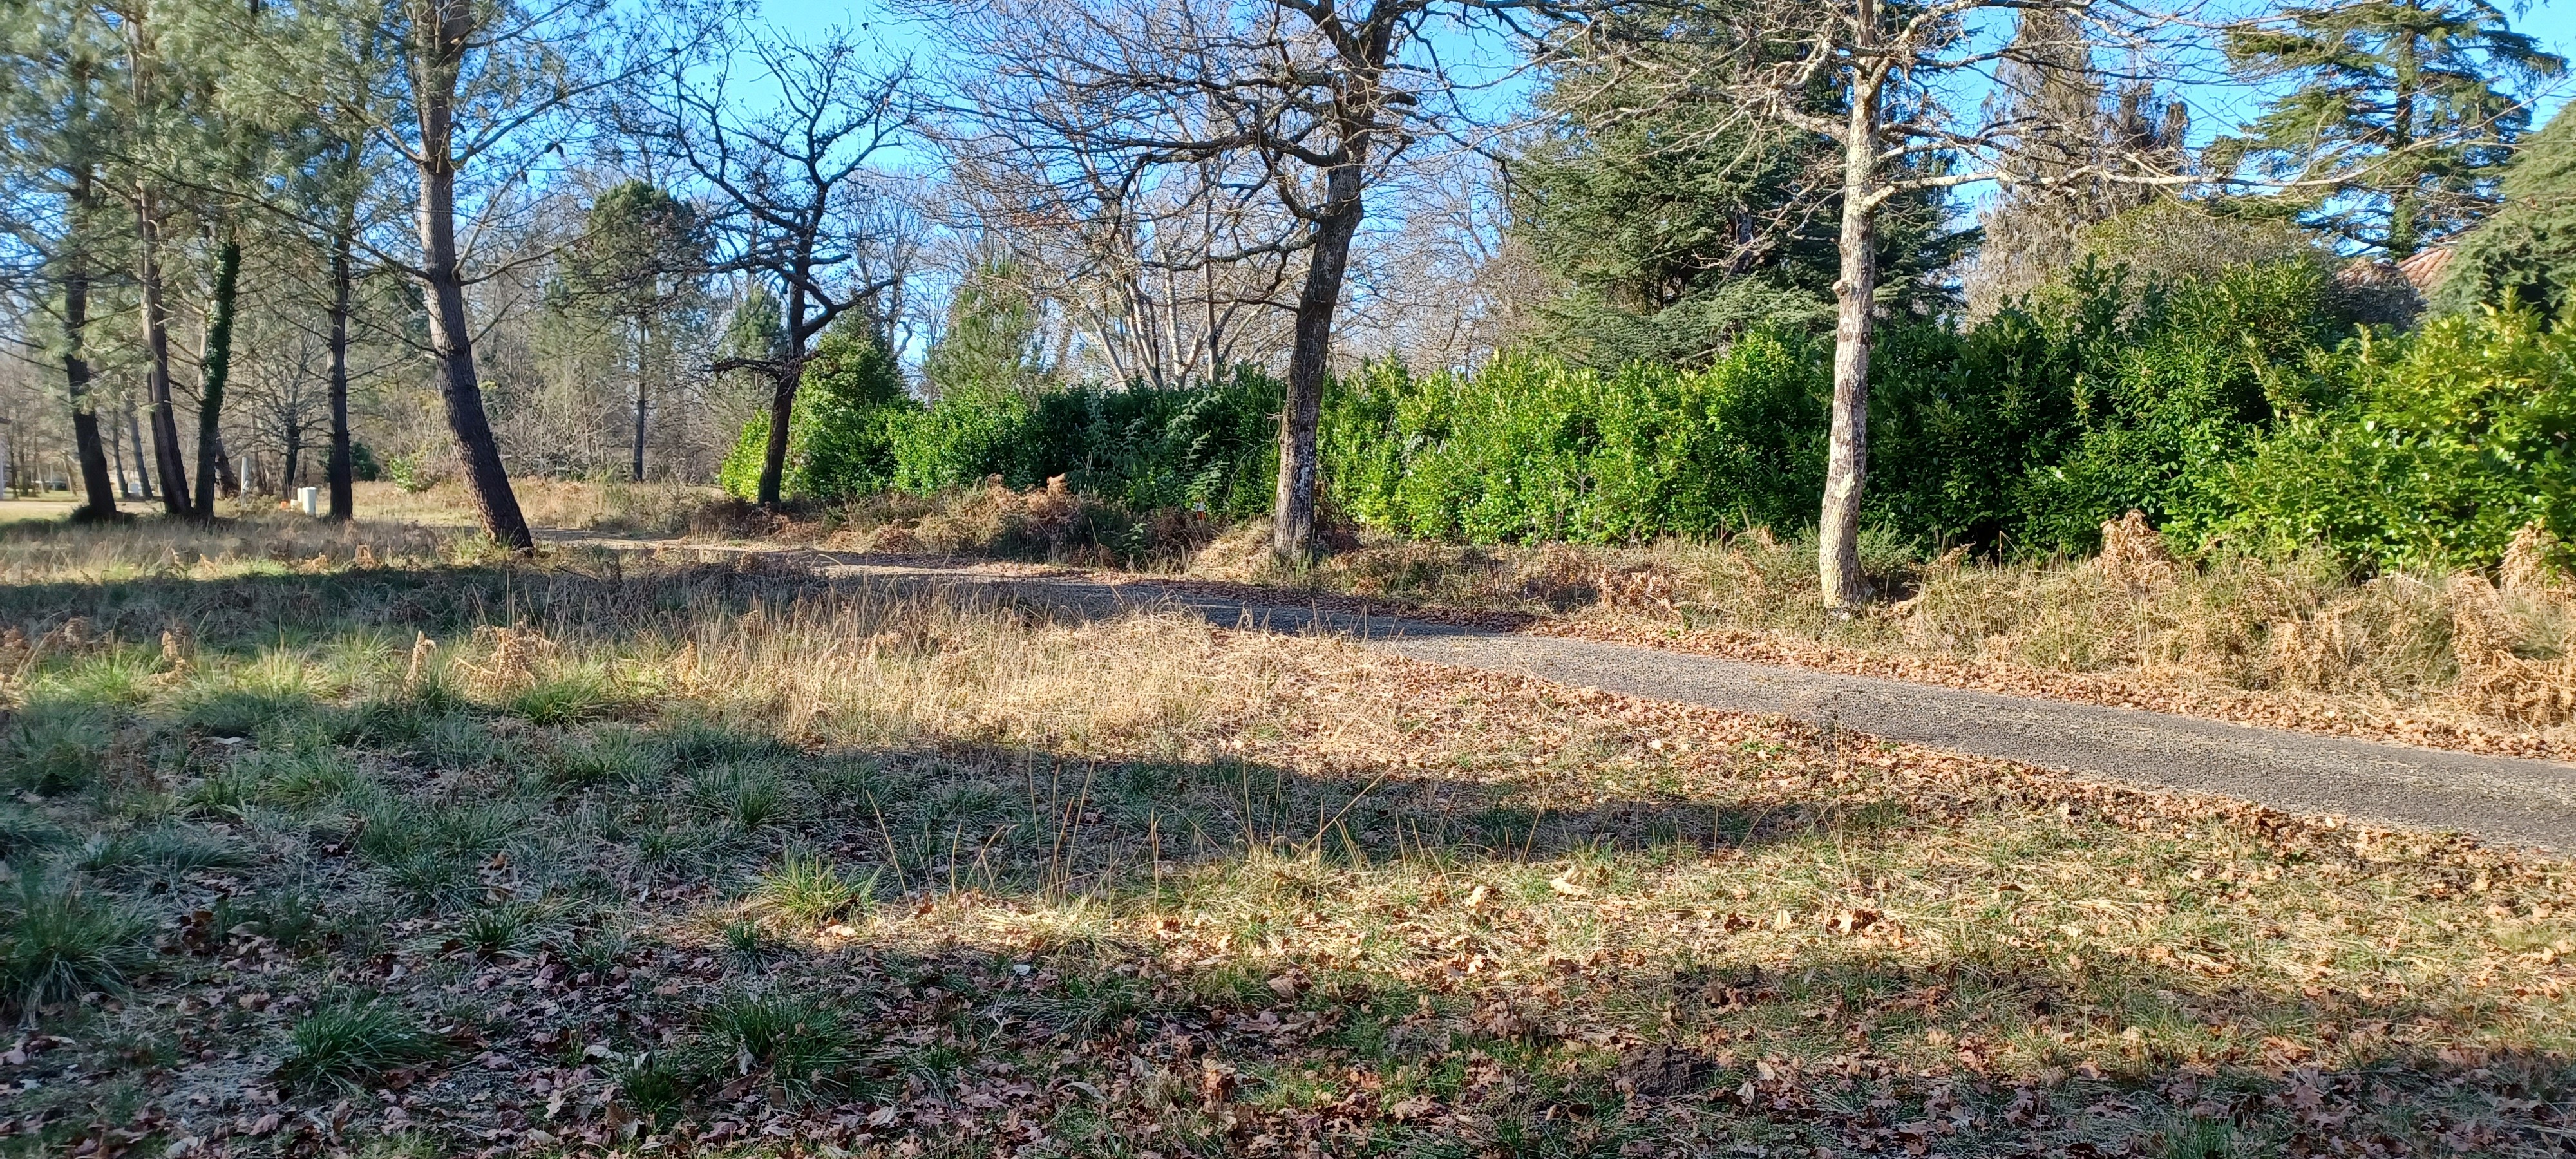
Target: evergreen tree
(2399, 116)
(2527, 251)
(2068, 123)
(57, 61)
(991, 339)
(1677, 226)
(640, 270)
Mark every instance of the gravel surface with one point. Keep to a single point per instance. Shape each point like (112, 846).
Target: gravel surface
(2507, 800)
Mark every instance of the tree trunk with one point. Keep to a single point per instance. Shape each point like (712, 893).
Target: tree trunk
(2403, 237)
(643, 340)
(224, 473)
(116, 459)
(782, 404)
(134, 439)
(1292, 525)
(782, 397)
(340, 470)
(156, 350)
(1846, 589)
(215, 369)
(99, 486)
(451, 336)
(95, 481)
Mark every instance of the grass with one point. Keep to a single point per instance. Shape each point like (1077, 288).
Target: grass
(2302, 642)
(349, 1044)
(1138, 883)
(59, 944)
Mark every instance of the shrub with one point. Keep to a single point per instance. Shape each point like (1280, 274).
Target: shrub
(2449, 442)
(841, 433)
(1531, 448)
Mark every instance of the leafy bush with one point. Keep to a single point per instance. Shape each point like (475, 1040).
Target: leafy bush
(1532, 448)
(2447, 443)
(840, 435)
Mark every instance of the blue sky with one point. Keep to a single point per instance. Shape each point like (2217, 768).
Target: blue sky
(2553, 24)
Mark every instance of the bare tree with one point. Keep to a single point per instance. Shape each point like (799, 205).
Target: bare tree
(800, 197)
(1307, 101)
(1134, 267)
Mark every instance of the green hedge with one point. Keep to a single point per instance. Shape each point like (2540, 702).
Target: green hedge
(2442, 445)
(2235, 405)
(1533, 448)
(1210, 449)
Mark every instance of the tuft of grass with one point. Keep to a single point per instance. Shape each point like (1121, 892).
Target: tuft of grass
(746, 944)
(24, 830)
(56, 748)
(58, 944)
(747, 795)
(348, 1043)
(651, 1087)
(599, 948)
(797, 1046)
(292, 916)
(435, 880)
(578, 693)
(166, 853)
(606, 755)
(495, 931)
(304, 778)
(810, 892)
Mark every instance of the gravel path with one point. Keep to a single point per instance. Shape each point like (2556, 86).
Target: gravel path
(2507, 800)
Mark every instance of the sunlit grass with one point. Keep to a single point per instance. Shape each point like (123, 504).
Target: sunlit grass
(764, 840)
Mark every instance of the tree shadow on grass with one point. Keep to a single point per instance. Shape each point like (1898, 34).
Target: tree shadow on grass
(1207, 952)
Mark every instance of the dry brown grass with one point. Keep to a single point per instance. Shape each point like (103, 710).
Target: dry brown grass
(2296, 642)
(1006, 882)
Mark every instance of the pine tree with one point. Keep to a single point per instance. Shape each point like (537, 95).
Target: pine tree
(2527, 251)
(1677, 226)
(991, 339)
(640, 268)
(2400, 116)
(2069, 122)
(57, 65)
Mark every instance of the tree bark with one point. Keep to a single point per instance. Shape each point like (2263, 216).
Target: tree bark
(99, 487)
(1292, 525)
(215, 369)
(643, 342)
(451, 338)
(340, 469)
(156, 349)
(782, 397)
(1855, 297)
(134, 439)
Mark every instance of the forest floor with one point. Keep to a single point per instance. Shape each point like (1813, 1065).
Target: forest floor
(365, 840)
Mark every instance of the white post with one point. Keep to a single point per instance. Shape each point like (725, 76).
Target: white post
(309, 500)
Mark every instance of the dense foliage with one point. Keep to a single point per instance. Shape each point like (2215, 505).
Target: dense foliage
(2527, 250)
(2443, 445)
(2244, 405)
(2024, 431)
(1209, 449)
